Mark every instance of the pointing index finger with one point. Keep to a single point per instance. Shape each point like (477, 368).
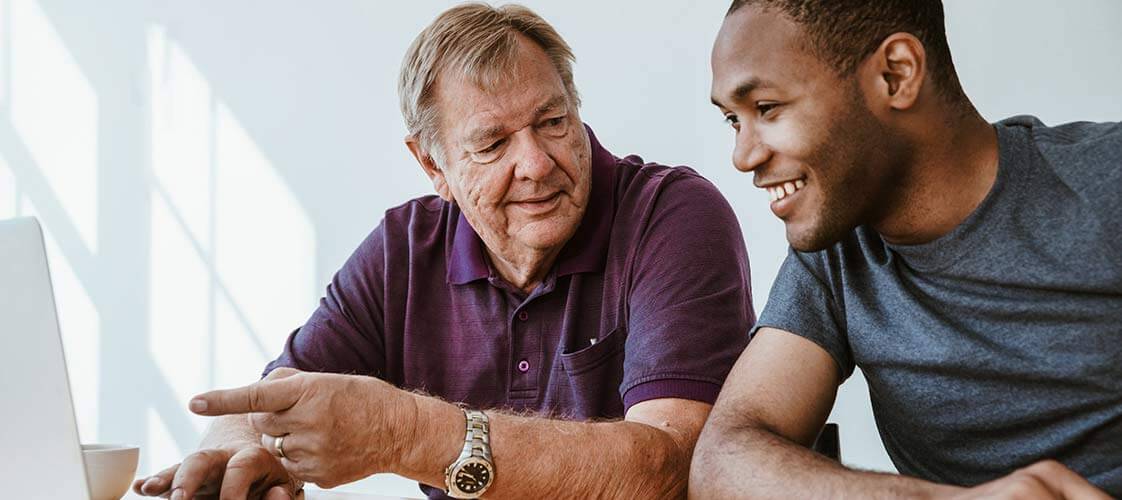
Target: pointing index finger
(263, 396)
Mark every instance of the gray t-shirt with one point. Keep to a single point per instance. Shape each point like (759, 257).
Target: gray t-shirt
(1000, 343)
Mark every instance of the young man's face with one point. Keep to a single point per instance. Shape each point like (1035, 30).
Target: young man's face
(804, 132)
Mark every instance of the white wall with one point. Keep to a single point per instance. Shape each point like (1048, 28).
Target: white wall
(202, 168)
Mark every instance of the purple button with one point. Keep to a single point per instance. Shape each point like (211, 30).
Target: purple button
(523, 315)
(523, 366)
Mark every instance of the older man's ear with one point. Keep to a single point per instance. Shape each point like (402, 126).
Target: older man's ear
(439, 183)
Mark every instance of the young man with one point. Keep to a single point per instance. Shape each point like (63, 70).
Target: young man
(972, 270)
(549, 284)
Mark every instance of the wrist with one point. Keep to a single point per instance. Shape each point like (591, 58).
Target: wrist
(431, 441)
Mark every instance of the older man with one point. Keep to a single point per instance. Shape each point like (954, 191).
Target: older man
(549, 284)
(970, 269)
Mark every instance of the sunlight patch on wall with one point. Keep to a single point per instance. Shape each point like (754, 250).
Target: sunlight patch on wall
(264, 241)
(160, 449)
(179, 305)
(238, 359)
(54, 110)
(181, 128)
(80, 324)
(8, 195)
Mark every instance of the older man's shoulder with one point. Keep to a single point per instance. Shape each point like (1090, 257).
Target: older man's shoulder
(645, 183)
(420, 221)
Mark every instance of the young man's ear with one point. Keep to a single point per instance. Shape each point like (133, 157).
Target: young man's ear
(897, 70)
(439, 183)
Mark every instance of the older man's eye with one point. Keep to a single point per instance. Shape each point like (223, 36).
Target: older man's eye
(492, 147)
(489, 153)
(554, 122)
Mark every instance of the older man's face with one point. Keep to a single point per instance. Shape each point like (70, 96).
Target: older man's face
(516, 157)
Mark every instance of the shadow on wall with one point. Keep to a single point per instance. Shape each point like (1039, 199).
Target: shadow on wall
(190, 180)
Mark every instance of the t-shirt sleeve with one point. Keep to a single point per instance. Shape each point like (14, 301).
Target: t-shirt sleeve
(802, 302)
(690, 303)
(344, 334)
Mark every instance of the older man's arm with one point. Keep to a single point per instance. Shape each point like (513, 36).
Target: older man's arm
(775, 400)
(339, 428)
(646, 455)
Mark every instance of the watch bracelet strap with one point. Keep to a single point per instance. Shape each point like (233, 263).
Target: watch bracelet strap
(477, 440)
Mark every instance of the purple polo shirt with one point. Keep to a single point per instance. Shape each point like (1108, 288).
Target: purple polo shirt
(649, 299)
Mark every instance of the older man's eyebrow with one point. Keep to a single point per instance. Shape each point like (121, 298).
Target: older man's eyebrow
(485, 134)
(741, 91)
(553, 103)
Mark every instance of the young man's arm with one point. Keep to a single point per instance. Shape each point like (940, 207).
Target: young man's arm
(773, 404)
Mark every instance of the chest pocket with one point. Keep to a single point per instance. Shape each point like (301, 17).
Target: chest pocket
(595, 374)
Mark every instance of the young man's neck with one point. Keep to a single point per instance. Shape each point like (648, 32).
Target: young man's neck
(953, 169)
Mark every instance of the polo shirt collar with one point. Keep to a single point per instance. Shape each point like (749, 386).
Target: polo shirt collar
(583, 253)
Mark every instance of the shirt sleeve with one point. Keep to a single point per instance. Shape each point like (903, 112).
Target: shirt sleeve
(689, 306)
(803, 303)
(345, 333)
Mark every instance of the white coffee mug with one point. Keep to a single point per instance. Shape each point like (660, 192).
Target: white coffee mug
(109, 469)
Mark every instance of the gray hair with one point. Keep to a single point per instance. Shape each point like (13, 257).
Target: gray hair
(480, 43)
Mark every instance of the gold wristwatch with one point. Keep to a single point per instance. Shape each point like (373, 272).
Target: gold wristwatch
(473, 472)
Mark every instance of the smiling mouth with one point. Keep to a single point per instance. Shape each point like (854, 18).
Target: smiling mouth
(538, 205)
(782, 190)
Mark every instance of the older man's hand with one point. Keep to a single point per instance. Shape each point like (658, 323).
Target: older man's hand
(332, 429)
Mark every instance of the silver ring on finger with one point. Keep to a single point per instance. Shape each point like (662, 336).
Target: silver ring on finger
(278, 443)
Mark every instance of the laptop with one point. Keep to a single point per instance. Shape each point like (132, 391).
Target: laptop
(40, 455)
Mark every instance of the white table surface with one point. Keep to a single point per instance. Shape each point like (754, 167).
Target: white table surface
(310, 494)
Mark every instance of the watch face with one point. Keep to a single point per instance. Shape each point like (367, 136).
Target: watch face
(473, 477)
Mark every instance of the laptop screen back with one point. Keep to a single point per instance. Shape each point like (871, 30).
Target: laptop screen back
(40, 455)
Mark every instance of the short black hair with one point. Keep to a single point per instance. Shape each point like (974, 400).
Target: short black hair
(843, 33)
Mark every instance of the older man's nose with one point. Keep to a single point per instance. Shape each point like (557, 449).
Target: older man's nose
(750, 152)
(534, 163)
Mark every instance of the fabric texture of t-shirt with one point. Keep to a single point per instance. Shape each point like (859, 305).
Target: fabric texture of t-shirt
(1000, 343)
(649, 299)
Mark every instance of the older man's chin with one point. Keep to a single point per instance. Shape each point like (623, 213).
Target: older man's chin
(547, 233)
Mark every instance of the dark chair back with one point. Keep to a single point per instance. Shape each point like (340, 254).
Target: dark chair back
(828, 442)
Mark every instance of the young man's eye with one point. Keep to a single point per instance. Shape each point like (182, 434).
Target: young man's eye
(765, 107)
(732, 120)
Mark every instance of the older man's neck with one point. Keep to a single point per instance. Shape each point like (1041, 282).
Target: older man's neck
(524, 269)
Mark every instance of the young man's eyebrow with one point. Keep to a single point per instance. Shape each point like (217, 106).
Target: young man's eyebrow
(741, 91)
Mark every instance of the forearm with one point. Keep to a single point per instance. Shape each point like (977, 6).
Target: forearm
(560, 459)
(750, 462)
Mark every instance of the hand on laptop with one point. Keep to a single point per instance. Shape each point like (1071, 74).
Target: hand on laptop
(331, 429)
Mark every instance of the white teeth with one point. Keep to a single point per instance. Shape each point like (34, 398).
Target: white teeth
(780, 191)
